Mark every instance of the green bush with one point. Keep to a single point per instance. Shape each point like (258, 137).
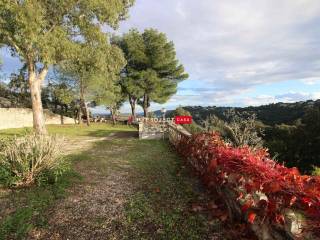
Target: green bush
(30, 159)
(316, 171)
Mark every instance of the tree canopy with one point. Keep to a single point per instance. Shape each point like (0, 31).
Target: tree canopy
(46, 32)
(152, 72)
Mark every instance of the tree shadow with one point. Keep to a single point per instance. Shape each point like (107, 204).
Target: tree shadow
(116, 134)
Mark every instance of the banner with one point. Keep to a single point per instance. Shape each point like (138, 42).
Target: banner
(183, 119)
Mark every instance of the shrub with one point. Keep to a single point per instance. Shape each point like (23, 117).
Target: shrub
(193, 127)
(30, 159)
(265, 192)
(239, 129)
(316, 171)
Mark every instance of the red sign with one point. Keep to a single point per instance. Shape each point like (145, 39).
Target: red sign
(183, 120)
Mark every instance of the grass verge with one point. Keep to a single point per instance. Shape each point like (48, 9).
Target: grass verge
(161, 205)
(72, 130)
(30, 204)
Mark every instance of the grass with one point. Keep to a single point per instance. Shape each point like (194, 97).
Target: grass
(71, 130)
(159, 206)
(30, 204)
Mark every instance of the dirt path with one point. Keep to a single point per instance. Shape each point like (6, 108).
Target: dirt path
(73, 145)
(92, 208)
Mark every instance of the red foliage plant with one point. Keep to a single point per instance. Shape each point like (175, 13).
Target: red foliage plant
(248, 173)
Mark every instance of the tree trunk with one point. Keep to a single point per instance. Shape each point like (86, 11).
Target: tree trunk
(132, 101)
(145, 105)
(61, 115)
(75, 115)
(145, 112)
(87, 112)
(35, 90)
(83, 105)
(113, 117)
(80, 114)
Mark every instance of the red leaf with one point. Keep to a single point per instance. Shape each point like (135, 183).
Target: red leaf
(293, 200)
(213, 164)
(280, 219)
(246, 206)
(240, 196)
(272, 187)
(307, 201)
(241, 168)
(251, 217)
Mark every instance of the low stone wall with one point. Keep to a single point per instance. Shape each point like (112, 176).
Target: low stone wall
(22, 117)
(152, 130)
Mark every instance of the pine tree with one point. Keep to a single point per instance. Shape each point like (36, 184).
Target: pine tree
(152, 72)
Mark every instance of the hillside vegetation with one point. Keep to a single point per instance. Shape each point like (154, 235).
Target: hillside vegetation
(272, 114)
(290, 130)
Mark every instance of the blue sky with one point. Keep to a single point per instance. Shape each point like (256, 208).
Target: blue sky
(237, 53)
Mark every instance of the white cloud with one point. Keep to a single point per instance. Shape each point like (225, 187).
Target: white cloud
(310, 80)
(238, 43)
(297, 96)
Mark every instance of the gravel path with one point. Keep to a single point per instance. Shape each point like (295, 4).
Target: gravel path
(94, 208)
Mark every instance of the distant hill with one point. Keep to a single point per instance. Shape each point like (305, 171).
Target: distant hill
(158, 113)
(271, 114)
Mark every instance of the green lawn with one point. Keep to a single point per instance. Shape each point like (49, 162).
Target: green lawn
(151, 183)
(95, 130)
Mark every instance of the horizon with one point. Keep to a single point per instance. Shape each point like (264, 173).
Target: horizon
(238, 54)
(106, 112)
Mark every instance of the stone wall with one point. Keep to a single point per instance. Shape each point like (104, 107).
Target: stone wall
(22, 117)
(152, 130)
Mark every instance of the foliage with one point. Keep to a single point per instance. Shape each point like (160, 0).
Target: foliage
(47, 31)
(19, 88)
(95, 72)
(30, 159)
(15, 93)
(63, 92)
(60, 95)
(297, 145)
(247, 172)
(316, 171)
(239, 130)
(5, 100)
(293, 140)
(111, 96)
(271, 114)
(193, 127)
(44, 33)
(151, 65)
(32, 201)
(128, 79)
